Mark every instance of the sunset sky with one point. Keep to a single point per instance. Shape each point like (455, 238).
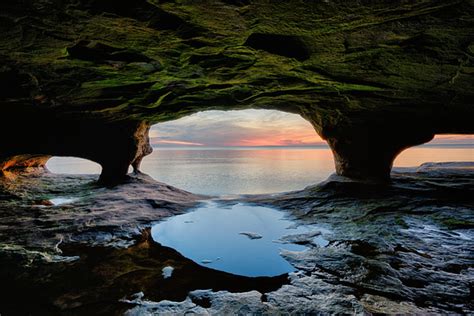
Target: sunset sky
(250, 128)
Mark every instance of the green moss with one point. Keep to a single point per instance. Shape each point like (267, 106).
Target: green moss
(371, 57)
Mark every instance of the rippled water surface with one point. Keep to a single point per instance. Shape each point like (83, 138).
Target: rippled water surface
(220, 171)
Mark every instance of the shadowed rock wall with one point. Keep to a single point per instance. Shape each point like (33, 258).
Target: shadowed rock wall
(86, 78)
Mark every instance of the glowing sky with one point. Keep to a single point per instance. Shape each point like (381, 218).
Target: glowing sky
(249, 128)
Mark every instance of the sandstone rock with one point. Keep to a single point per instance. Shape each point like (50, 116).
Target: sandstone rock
(87, 78)
(391, 249)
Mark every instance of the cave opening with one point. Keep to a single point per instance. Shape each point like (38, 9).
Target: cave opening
(238, 152)
(442, 149)
(72, 165)
(252, 152)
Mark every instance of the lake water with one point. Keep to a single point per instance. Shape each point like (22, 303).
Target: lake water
(240, 239)
(227, 171)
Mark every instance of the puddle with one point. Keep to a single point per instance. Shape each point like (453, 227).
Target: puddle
(112, 274)
(239, 239)
(167, 272)
(61, 201)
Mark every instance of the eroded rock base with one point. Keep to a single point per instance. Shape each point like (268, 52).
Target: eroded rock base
(406, 247)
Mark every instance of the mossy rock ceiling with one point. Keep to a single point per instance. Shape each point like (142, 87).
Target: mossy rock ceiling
(339, 64)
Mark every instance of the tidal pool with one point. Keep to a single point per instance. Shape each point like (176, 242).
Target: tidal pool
(240, 239)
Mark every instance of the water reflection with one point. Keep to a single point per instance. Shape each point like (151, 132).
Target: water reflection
(102, 277)
(252, 170)
(239, 239)
(62, 200)
(241, 170)
(416, 156)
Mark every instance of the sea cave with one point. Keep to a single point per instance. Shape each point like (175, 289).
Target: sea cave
(128, 185)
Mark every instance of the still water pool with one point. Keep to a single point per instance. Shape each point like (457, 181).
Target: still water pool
(240, 239)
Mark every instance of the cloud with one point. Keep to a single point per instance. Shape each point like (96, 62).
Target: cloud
(237, 128)
(155, 141)
(250, 128)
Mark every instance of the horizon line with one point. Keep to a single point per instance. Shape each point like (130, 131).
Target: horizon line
(295, 146)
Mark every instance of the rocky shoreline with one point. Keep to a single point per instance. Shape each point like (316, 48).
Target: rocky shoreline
(404, 247)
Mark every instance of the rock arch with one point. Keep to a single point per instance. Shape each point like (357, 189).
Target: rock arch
(372, 81)
(115, 146)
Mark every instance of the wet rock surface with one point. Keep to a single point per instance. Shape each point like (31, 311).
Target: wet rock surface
(251, 235)
(406, 247)
(85, 211)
